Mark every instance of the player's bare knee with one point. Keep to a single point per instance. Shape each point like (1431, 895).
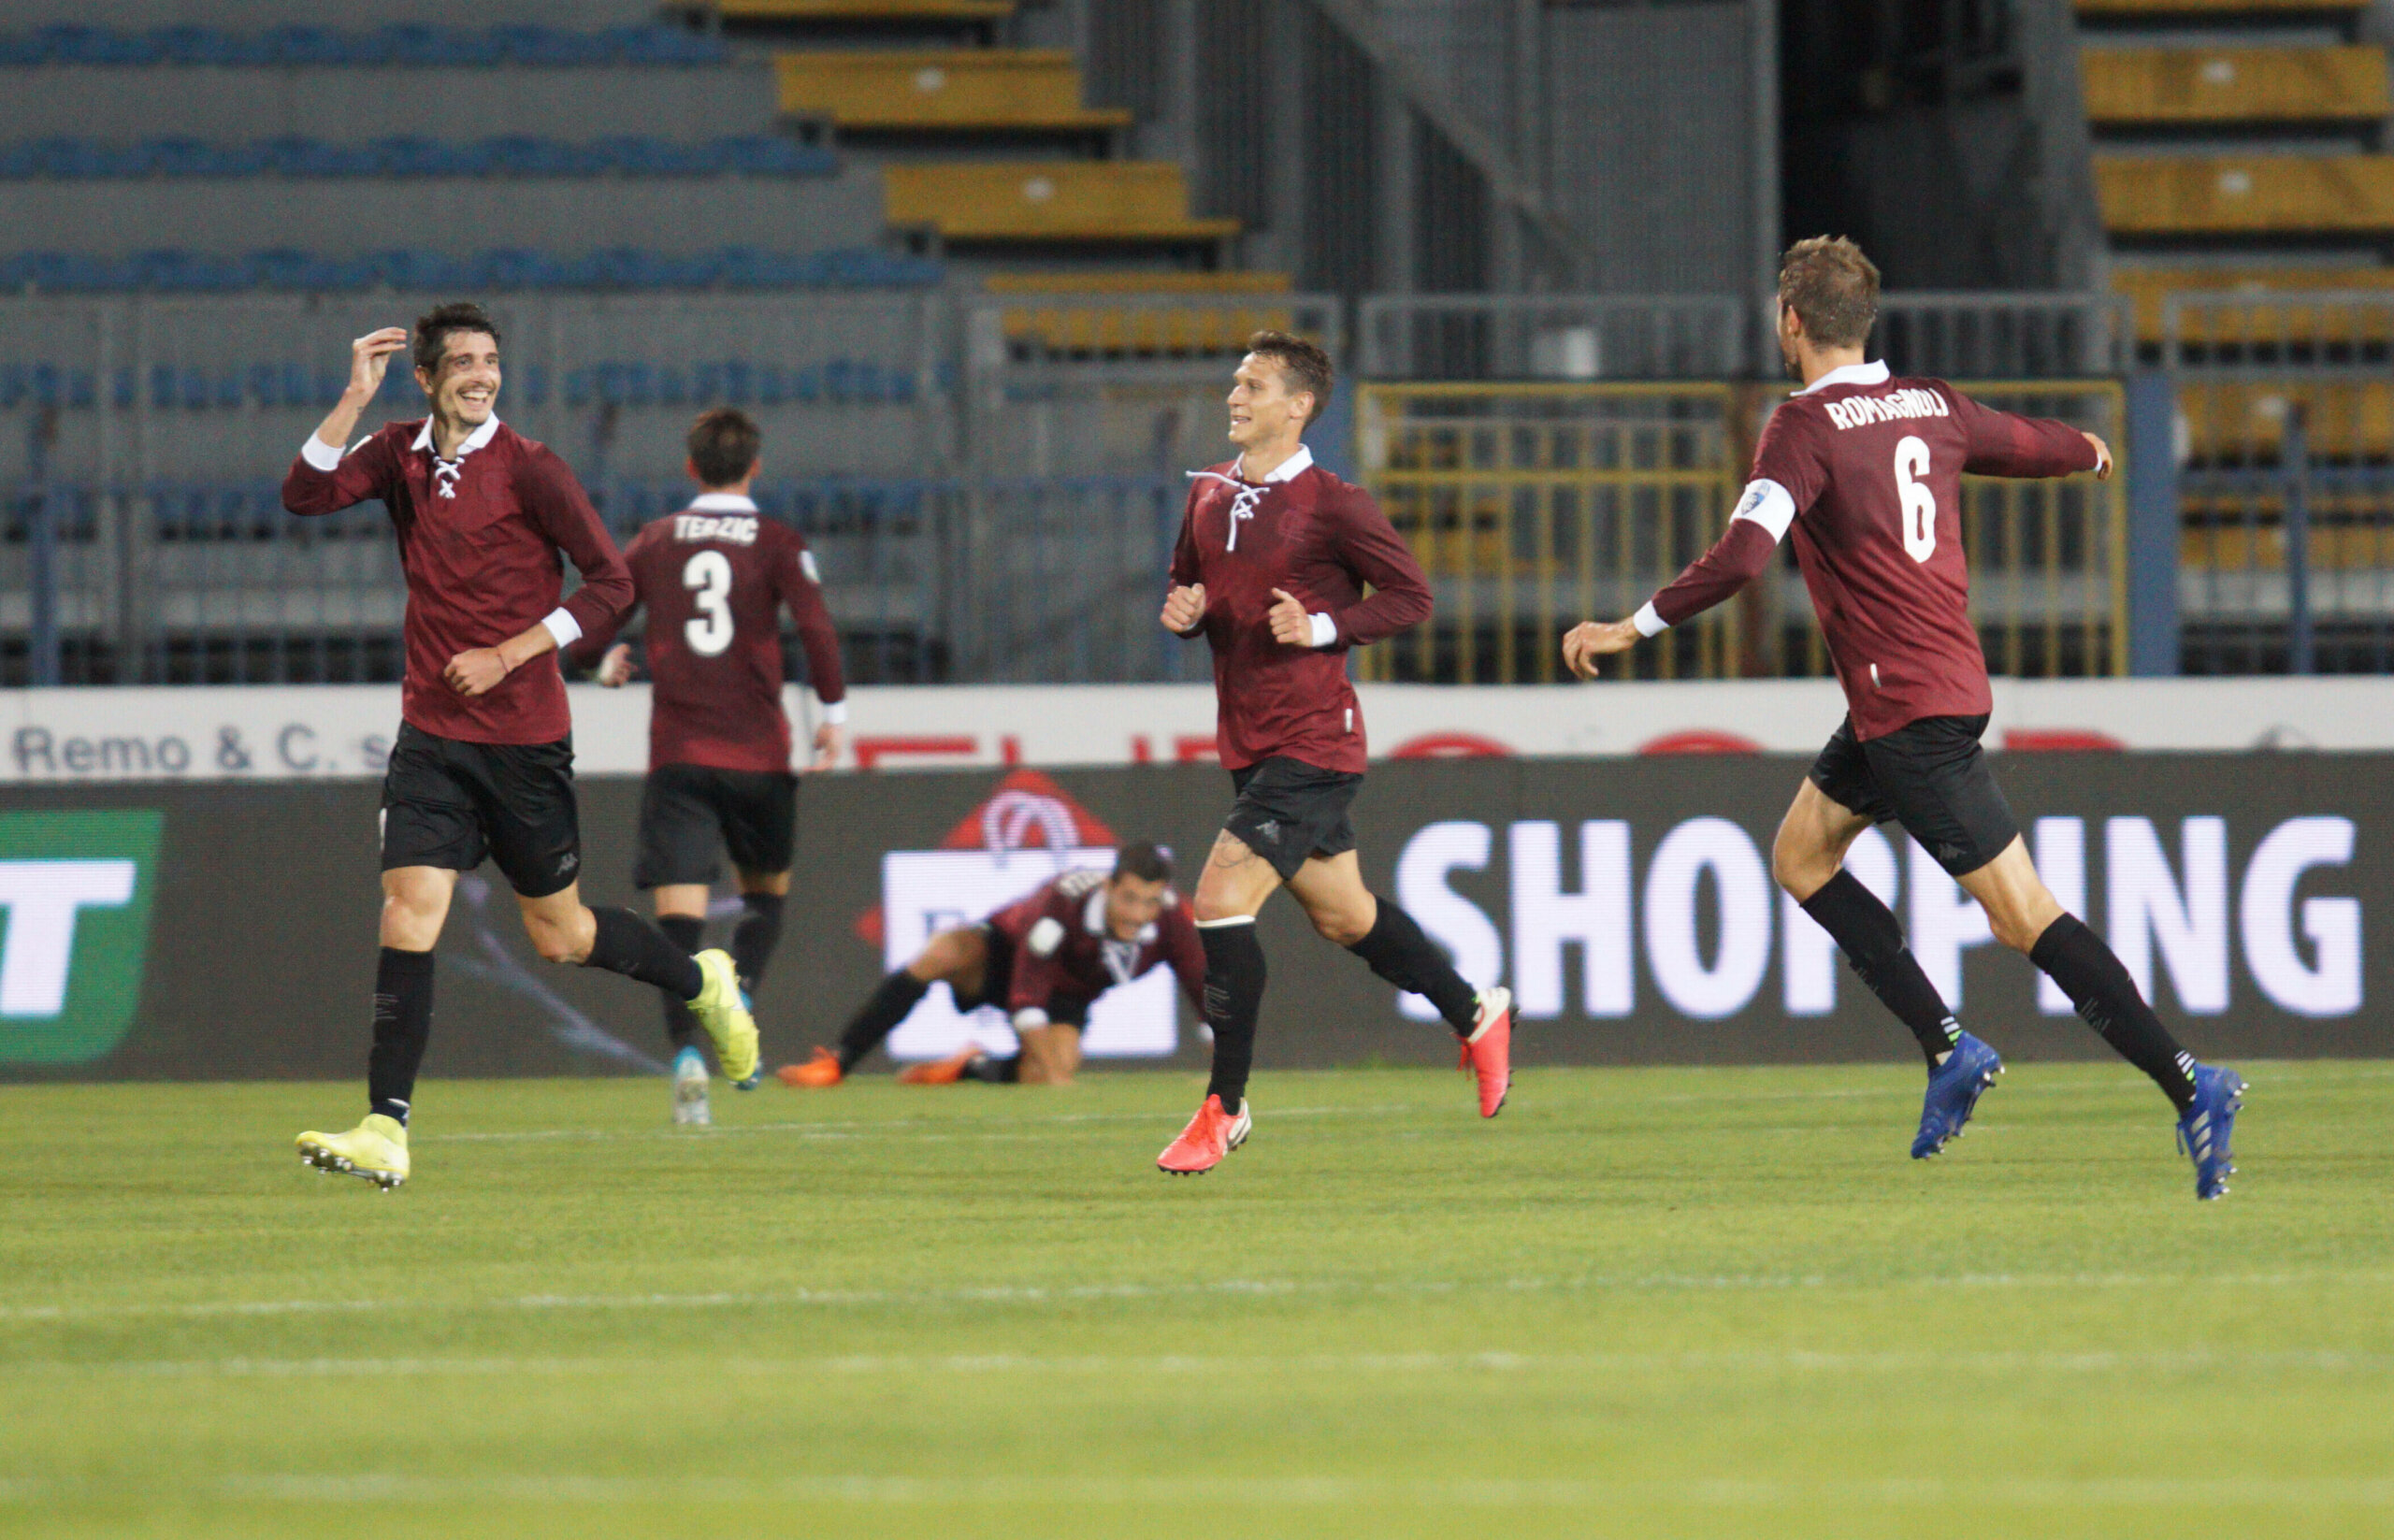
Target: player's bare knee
(1343, 926)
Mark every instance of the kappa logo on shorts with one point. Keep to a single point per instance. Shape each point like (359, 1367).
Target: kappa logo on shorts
(1269, 829)
(1950, 853)
(567, 861)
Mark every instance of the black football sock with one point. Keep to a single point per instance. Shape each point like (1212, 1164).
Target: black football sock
(629, 946)
(1866, 931)
(1400, 954)
(753, 939)
(686, 931)
(1233, 998)
(2095, 981)
(402, 1026)
(992, 1071)
(879, 1016)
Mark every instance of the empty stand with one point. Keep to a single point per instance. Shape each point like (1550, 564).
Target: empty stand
(2183, 87)
(2248, 195)
(1017, 93)
(1135, 314)
(1101, 203)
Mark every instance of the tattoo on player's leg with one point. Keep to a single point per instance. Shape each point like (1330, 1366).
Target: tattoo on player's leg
(1230, 851)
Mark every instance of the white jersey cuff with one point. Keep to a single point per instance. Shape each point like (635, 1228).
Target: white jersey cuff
(320, 454)
(1649, 623)
(1769, 504)
(1325, 630)
(835, 714)
(563, 627)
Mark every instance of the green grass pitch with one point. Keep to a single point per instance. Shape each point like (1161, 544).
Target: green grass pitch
(1658, 1303)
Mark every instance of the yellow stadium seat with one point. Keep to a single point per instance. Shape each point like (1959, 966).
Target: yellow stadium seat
(960, 89)
(2243, 422)
(1064, 281)
(1093, 202)
(2172, 85)
(864, 11)
(2218, 8)
(2246, 195)
(2148, 286)
(2232, 547)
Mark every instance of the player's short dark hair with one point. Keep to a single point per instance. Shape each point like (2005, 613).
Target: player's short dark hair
(1302, 360)
(1143, 861)
(1833, 287)
(724, 442)
(432, 329)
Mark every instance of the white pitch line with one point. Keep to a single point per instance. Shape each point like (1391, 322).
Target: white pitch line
(1796, 1360)
(897, 1124)
(1040, 1294)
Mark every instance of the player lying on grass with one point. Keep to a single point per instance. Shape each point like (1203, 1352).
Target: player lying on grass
(1043, 959)
(1867, 472)
(483, 762)
(715, 579)
(1270, 568)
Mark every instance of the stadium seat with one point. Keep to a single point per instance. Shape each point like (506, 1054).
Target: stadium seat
(864, 11)
(2214, 10)
(1095, 202)
(2238, 423)
(1139, 330)
(2148, 287)
(515, 155)
(298, 44)
(1021, 90)
(2246, 195)
(2170, 86)
(505, 268)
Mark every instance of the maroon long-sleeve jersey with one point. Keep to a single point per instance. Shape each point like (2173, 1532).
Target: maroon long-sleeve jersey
(1063, 953)
(478, 540)
(1867, 470)
(1305, 531)
(715, 579)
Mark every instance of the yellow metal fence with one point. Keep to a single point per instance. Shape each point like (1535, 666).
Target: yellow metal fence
(1532, 507)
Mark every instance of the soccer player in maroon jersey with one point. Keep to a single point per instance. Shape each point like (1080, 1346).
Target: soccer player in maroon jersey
(483, 762)
(715, 579)
(1867, 472)
(1043, 959)
(1270, 568)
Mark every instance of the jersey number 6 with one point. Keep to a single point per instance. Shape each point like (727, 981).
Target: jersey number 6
(708, 577)
(1918, 503)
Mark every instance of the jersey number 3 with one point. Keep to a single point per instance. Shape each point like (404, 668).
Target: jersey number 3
(708, 577)
(1919, 515)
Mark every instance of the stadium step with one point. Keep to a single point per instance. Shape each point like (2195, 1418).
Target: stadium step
(1069, 324)
(2178, 88)
(861, 10)
(2246, 195)
(2148, 288)
(2214, 12)
(2242, 422)
(1103, 203)
(1017, 92)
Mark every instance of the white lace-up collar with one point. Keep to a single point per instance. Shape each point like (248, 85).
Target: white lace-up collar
(1246, 493)
(1873, 373)
(1093, 920)
(446, 473)
(722, 503)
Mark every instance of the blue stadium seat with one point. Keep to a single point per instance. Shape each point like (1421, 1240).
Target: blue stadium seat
(305, 272)
(409, 155)
(71, 44)
(412, 43)
(447, 47)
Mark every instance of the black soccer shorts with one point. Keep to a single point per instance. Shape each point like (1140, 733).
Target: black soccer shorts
(452, 804)
(997, 971)
(1288, 812)
(689, 813)
(1931, 777)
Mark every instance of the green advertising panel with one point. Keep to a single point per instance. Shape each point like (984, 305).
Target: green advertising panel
(75, 895)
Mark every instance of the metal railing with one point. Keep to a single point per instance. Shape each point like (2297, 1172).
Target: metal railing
(1543, 337)
(2005, 335)
(1533, 507)
(2286, 423)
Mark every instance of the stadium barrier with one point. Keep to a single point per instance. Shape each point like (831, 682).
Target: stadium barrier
(1627, 902)
(1532, 507)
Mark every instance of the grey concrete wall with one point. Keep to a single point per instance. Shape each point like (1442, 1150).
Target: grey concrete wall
(341, 215)
(343, 106)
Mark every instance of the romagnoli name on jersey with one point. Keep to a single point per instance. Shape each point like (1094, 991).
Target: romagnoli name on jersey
(1862, 410)
(731, 528)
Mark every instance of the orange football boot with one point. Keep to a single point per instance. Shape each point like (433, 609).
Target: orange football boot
(938, 1072)
(1487, 1052)
(1210, 1135)
(821, 1070)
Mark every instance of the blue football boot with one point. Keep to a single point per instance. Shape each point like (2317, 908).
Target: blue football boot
(1954, 1087)
(2204, 1129)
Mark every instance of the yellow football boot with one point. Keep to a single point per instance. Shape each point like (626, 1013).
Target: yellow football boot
(376, 1149)
(722, 1009)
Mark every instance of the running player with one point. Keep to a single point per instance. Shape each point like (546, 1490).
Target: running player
(1043, 959)
(1867, 471)
(715, 577)
(1272, 558)
(483, 762)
